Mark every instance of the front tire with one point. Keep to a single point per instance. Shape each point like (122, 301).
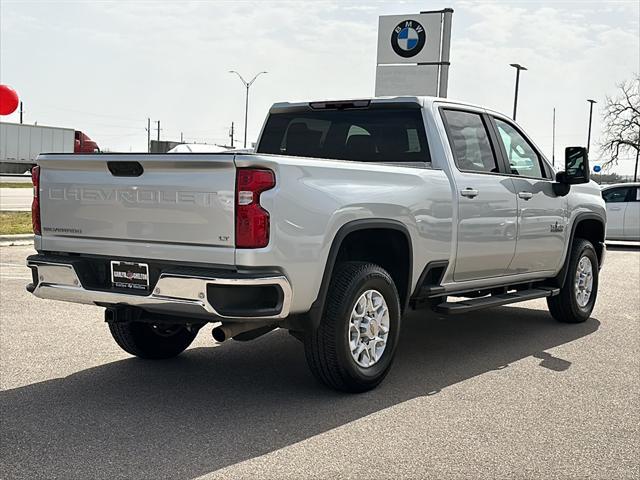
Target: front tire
(354, 345)
(577, 296)
(151, 341)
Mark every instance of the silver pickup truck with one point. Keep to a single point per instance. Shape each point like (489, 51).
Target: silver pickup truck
(348, 214)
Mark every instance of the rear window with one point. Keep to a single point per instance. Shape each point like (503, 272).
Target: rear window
(371, 135)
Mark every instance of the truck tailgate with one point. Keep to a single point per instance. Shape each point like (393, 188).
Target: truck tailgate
(174, 200)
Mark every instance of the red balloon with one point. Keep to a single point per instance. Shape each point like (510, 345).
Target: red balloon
(8, 100)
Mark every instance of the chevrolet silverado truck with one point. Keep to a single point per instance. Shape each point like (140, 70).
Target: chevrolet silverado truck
(347, 215)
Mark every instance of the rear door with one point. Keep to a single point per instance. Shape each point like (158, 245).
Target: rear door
(487, 208)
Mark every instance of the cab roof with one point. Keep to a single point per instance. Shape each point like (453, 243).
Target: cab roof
(422, 101)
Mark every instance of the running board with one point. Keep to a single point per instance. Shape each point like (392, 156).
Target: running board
(471, 304)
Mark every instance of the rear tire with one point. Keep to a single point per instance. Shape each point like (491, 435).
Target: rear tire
(577, 296)
(354, 345)
(151, 341)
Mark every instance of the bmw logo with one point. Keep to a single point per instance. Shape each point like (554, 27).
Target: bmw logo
(408, 38)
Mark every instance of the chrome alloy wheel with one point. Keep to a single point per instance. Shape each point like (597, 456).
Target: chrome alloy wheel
(368, 328)
(583, 284)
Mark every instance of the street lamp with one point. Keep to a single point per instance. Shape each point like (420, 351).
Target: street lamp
(518, 67)
(591, 102)
(246, 104)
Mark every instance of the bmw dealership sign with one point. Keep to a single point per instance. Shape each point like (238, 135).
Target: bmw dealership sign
(413, 54)
(408, 38)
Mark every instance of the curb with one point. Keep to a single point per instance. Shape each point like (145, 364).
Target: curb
(23, 239)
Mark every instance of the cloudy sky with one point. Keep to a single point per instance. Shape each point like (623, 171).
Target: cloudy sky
(105, 66)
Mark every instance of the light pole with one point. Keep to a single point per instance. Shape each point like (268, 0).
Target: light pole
(246, 103)
(591, 102)
(518, 67)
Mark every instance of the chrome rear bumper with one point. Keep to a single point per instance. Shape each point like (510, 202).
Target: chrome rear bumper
(180, 294)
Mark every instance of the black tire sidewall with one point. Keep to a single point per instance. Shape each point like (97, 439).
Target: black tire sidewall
(372, 279)
(139, 339)
(578, 312)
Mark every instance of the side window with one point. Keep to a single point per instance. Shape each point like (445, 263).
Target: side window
(616, 195)
(413, 139)
(469, 141)
(523, 159)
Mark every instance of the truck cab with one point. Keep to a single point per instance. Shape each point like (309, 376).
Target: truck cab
(84, 144)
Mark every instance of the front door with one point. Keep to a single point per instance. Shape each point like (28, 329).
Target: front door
(616, 200)
(487, 207)
(541, 213)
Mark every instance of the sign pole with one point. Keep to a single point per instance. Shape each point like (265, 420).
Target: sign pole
(447, 13)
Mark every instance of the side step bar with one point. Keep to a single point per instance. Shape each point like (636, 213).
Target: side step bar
(471, 304)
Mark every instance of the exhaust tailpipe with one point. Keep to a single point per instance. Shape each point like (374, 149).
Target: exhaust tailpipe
(231, 329)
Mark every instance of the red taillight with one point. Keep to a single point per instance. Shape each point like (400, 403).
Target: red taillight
(252, 221)
(35, 204)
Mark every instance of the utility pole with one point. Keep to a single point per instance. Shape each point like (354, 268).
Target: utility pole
(231, 134)
(518, 67)
(21, 112)
(181, 138)
(148, 135)
(158, 122)
(635, 172)
(591, 102)
(247, 85)
(553, 139)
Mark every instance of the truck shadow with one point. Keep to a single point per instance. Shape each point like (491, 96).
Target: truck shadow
(214, 407)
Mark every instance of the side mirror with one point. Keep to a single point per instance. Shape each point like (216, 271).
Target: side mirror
(576, 166)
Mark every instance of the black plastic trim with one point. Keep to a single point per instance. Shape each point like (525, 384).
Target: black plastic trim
(473, 304)
(232, 300)
(317, 307)
(425, 286)
(125, 169)
(560, 279)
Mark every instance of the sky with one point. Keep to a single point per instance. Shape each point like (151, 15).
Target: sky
(104, 67)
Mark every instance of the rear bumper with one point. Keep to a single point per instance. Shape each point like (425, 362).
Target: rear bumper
(173, 293)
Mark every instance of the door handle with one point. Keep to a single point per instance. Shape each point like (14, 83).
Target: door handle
(469, 192)
(525, 195)
(615, 209)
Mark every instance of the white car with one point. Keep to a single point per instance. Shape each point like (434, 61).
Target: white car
(197, 148)
(623, 211)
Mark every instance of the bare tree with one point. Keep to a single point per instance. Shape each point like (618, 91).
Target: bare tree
(621, 124)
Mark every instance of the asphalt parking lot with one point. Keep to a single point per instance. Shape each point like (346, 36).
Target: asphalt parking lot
(503, 393)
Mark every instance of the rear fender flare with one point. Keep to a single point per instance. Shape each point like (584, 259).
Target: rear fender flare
(314, 315)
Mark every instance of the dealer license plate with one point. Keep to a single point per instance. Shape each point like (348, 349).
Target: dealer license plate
(134, 276)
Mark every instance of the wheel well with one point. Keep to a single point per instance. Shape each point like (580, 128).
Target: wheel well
(386, 247)
(593, 231)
